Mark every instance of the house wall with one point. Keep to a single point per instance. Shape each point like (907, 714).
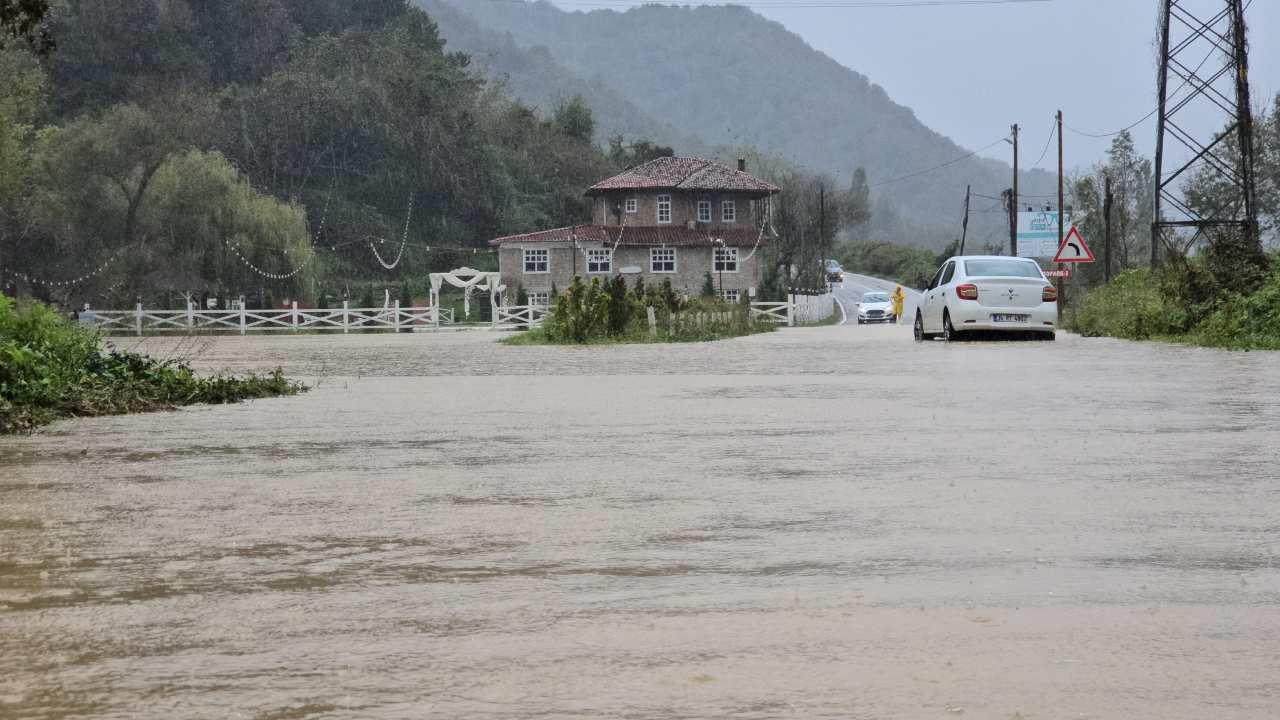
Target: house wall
(691, 265)
(684, 207)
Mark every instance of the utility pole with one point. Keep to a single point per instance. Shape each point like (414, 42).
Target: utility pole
(822, 222)
(964, 228)
(1013, 201)
(1106, 217)
(1061, 210)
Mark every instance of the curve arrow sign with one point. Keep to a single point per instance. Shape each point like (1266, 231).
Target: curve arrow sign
(1073, 249)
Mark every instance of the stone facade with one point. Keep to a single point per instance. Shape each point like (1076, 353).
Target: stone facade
(684, 209)
(692, 264)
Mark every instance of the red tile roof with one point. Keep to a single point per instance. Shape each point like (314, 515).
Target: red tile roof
(670, 235)
(684, 173)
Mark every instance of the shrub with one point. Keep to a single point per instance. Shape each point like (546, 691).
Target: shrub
(580, 314)
(622, 305)
(51, 368)
(1245, 321)
(708, 285)
(1133, 306)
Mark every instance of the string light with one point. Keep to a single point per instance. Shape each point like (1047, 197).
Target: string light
(404, 240)
(270, 275)
(66, 283)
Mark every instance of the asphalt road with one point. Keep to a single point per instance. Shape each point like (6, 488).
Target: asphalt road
(854, 286)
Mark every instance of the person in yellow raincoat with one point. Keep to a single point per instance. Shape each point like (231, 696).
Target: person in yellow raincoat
(897, 298)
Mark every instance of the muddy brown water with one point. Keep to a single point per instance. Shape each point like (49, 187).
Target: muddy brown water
(818, 523)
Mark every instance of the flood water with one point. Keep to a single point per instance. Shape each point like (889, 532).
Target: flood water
(817, 523)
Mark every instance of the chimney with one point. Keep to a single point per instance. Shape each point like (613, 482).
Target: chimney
(742, 164)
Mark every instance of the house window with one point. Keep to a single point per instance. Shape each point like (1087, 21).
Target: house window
(599, 260)
(729, 211)
(664, 209)
(539, 299)
(537, 261)
(632, 206)
(704, 211)
(662, 260)
(731, 295)
(726, 259)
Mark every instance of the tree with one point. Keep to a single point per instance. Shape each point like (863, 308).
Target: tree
(623, 156)
(1131, 181)
(856, 207)
(117, 155)
(24, 20)
(573, 119)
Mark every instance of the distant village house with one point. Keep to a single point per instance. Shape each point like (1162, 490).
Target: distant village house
(673, 218)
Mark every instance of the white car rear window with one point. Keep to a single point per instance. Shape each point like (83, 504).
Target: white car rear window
(1001, 268)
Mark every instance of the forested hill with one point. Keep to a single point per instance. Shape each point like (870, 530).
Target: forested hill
(284, 148)
(535, 77)
(731, 77)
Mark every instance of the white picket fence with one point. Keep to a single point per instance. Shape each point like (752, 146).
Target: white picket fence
(140, 321)
(798, 309)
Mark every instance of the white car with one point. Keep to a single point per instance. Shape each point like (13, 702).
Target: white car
(875, 307)
(989, 293)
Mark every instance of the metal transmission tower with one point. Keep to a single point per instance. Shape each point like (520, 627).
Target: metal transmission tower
(1195, 35)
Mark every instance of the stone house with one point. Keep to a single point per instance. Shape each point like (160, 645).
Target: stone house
(671, 218)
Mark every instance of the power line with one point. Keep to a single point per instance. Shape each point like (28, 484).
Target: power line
(1047, 143)
(935, 167)
(804, 4)
(1144, 118)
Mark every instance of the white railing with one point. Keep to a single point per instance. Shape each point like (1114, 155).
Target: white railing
(797, 310)
(776, 312)
(140, 321)
(519, 316)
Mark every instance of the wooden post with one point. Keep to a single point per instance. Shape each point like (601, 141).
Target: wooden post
(242, 317)
(791, 310)
(397, 311)
(346, 317)
(191, 319)
(653, 321)
(137, 320)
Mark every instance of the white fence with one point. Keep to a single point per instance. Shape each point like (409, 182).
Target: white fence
(811, 308)
(798, 309)
(519, 316)
(140, 321)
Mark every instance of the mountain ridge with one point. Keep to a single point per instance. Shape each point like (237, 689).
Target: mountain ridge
(730, 77)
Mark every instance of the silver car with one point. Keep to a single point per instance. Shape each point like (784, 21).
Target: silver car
(876, 307)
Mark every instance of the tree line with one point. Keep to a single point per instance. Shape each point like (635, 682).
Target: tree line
(222, 148)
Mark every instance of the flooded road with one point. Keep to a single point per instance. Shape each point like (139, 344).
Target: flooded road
(818, 523)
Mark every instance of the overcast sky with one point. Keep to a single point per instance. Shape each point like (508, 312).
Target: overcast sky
(970, 72)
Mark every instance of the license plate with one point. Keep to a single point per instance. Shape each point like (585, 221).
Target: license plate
(1010, 318)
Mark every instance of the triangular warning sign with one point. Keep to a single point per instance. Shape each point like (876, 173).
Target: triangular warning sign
(1073, 249)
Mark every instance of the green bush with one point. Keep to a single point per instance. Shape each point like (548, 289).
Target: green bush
(580, 314)
(1133, 306)
(1193, 300)
(51, 368)
(1243, 322)
(613, 313)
